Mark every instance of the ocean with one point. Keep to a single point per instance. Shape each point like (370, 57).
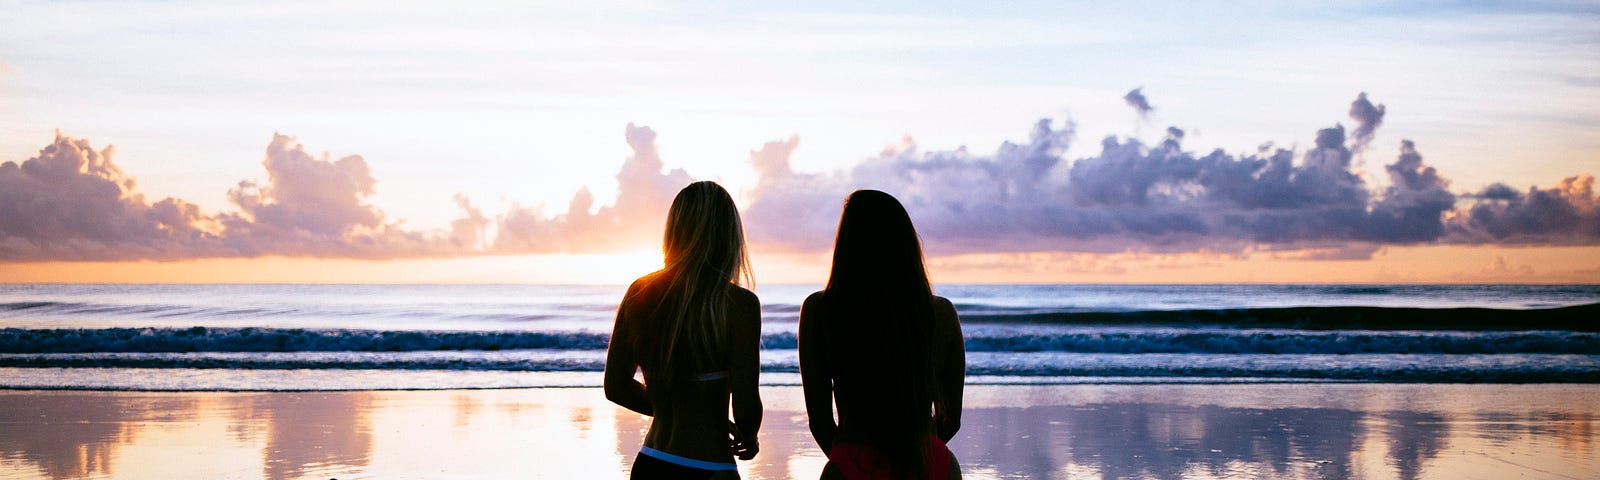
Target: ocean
(293, 337)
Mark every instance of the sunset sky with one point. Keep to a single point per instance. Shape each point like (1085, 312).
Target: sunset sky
(146, 141)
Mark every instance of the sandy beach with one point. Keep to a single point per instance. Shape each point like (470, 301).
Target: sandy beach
(1366, 431)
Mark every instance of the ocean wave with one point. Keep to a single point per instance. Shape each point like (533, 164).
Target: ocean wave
(212, 313)
(1292, 342)
(170, 312)
(1359, 290)
(1164, 340)
(521, 360)
(1498, 368)
(1370, 368)
(202, 339)
(1579, 318)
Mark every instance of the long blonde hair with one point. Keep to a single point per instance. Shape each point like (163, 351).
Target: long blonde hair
(705, 258)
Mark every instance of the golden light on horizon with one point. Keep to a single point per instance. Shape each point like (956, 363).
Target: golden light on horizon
(1417, 264)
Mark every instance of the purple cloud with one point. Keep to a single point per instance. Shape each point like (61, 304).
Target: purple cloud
(1368, 118)
(1566, 214)
(73, 203)
(1137, 100)
(1161, 198)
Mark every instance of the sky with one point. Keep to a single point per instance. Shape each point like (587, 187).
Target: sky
(152, 141)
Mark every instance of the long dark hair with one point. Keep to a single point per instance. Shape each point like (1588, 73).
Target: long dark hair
(880, 324)
(704, 252)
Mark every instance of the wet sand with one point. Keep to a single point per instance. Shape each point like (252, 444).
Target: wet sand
(1365, 431)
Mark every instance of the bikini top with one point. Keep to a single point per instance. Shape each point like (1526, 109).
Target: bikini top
(711, 376)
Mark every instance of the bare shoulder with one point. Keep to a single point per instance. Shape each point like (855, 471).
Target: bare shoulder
(811, 312)
(642, 294)
(812, 307)
(944, 313)
(744, 297)
(642, 285)
(942, 306)
(745, 303)
(813, 300)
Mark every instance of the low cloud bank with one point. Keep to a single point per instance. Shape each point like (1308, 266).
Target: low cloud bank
(73, 203)
(1161, 198)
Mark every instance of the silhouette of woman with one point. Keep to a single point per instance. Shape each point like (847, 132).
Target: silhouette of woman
(696, 336)
(877, 344)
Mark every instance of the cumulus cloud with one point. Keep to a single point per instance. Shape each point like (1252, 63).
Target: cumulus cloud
(966, 199)
(792, 206)
(1411, 209)
(470, 231)
(1161, 198)
(314, 206)
(634, 220)
(73, 203)
(1565, 214)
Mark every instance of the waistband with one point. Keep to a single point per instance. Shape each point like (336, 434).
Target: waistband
(687, 462)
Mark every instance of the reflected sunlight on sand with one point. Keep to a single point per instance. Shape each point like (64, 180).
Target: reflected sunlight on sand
(1358, 431)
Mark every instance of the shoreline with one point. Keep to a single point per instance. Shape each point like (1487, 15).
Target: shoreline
(1293, 430)
(119, 379)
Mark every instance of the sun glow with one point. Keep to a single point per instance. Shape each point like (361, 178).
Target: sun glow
(615, 268)
(589, 269)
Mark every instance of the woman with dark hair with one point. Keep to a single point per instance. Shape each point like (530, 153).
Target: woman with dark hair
(878, 344)
(696, 335)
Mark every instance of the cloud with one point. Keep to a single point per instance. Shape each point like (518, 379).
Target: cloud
(1027, 197)
(966, 201)
(314, 206)
(72, 202)
(1565, 214)
(791, 206)
(635, 220)
(470, 231)
(1368, 118)
(1136, 99)
(1411, 209)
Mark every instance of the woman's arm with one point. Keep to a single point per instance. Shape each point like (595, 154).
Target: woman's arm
(622, 361)
(815, 380)
(951, 370)
(744, 366)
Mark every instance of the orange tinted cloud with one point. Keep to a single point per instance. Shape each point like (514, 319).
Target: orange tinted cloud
(633, 221)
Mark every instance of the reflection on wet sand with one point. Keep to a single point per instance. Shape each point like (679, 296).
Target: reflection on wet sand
(1415, 437)
(630, 428)
(1195, 431)
(327, 434)
(62, 439)
(1141, 440)
(467, 407)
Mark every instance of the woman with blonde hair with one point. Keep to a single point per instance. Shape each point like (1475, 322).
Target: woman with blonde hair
(879, 346)
(695, 334)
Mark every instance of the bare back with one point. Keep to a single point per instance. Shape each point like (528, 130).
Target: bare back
(691, 417)
(821, 363)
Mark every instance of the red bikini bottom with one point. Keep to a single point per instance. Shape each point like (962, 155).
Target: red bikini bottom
(857, 461)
